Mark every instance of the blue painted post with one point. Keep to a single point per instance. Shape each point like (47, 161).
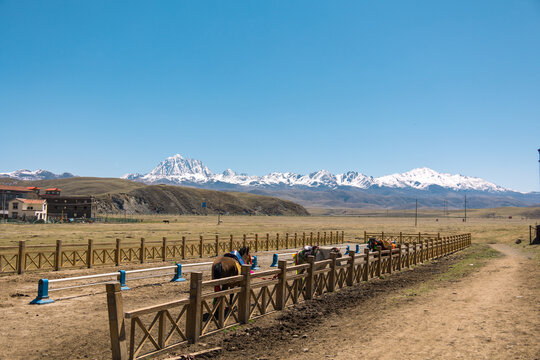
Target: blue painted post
(43, 293)
(178, 275)
(357, 249)
(122, 280)
(348, 249)
(254, 265)
(274, 260)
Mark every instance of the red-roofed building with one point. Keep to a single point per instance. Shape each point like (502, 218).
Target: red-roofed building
(28, 209)
(8, 193)
(52, 191)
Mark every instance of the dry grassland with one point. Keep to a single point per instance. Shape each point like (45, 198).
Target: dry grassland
(484, 230)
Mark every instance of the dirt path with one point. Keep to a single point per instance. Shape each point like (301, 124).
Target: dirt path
(492, 314)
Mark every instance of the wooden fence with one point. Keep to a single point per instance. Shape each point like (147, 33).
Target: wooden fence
(18, 259)
(160, 328)
(402, 238)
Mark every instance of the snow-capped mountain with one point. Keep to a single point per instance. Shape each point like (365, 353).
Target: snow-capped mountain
(175, 169)
(39, 174)
(179, 170)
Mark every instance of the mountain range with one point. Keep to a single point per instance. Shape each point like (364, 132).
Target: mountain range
(181, 171)
(324, 189)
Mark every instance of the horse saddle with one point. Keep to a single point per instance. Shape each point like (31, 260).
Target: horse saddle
(236, 255)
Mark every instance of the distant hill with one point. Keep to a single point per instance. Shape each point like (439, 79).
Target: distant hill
(116, 195)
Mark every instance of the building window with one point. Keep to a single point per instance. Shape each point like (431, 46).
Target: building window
(15, 206)
(30, 208)
(14, 215)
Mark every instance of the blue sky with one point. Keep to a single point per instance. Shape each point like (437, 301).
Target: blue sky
(102, 88)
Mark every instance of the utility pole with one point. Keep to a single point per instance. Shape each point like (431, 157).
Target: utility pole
(465, 219)
(416, 214)
(219, 213)
(445, 208)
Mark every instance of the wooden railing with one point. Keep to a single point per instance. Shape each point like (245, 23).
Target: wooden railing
(160, 328)
(18, 259)
(402, 238)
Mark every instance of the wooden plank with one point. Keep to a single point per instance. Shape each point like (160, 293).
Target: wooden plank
(194, 313)
(116, 322)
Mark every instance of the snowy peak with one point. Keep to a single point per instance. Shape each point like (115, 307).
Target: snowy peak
(39, 174)
(178, 166)
(422, 178)
(179, 170)
(175, 169)
(354, 179)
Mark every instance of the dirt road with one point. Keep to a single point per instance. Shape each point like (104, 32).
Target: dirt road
(491, 314)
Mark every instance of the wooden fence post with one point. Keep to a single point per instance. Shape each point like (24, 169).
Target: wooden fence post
(318, 238)
(350, 274)
(277, 241)
(421, 252)
(379, 262)
(295, 240)
(399, 256)
(183, 247)
(231, 243)
(256, 242)
(164, 249)
(244, 241)
(194, 311)
(414, 252)
(401, 237)
(244, 297)
(162, 334)
(267, 242)
(365, 237)
(310, 277)
(142, 251)
(311, 239)
(117, 252)
(89, 253)
(332, 273)
(390, 260)
(366, 265)
(324, 238)
(21, 259)
(438, 245)
(342, 237)
(116, 321)
(408, 255)
(303, 239)
(331, 237)
(58, 255)
(201, 247)
(217, 245)
(281, 290)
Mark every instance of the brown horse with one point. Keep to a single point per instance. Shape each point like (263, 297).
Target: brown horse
(226, 265)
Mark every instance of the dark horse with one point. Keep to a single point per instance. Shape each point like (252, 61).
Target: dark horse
(226, 265)
(320, 253)
(374, 244)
